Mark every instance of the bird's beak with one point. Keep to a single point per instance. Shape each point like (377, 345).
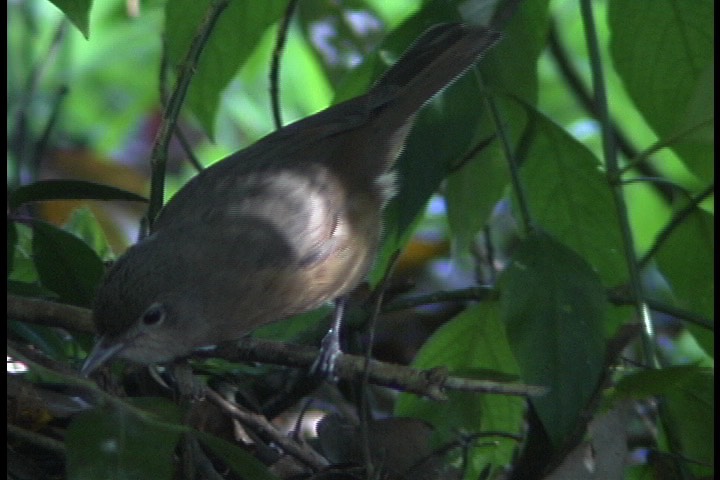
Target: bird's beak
(101, 353)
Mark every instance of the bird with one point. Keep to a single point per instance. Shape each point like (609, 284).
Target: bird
(279, 228)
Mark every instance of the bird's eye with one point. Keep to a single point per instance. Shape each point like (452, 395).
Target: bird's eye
(154, 315)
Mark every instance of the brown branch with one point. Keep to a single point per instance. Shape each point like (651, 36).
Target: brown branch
(429, 383)
(37, 439)
(49, 314)
(259, 423)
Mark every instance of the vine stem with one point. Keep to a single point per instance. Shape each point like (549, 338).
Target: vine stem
(504, 137)
(613, 174)
(275, 65)
(158, 158)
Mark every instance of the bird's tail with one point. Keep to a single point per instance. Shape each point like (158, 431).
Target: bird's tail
(370, 131)
(432, 62)
(438, 57)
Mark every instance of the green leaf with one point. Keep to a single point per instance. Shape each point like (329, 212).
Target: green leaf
(69, 190)
(12, 240)
(29, 289)
(472, 341)
(306, 327)
(663, 50)
(427, 157)
(65, 264)
(649, 383)
(691, 407)
(509, 68)
(239, 460)
(85, 226)
(235, 36)
(687, 260)
(473, 191)
(23, 267)
(78, 12)
(569, 196)
(48, 340)
(111, 443)
(553, 305)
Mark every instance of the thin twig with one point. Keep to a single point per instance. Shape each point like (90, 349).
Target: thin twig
(667, 142)
(466, 294)
(275, 65)
(524, 210)
(657, 306)
(158, 158)
(187, 148)
(21, 143)
(163, 103)
(475, 150)
(54, 376)
(42, 144)
(656, 180)
(259, 423)
(377, 299)
(36, 439)
(674, 222)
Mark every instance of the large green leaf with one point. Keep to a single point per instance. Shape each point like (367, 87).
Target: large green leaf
(687, 260)
(474, 341)
(569, 196)
(12, 241)
(691, 409)
(78, 12)
(44, 190)
(66, 265)
(663, 51)
(649, 383)
(239, 460)
(111, 443)
(509, 68)
(553, 305)
(235, 36)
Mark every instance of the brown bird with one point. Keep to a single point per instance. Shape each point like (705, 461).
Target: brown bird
(280, 227)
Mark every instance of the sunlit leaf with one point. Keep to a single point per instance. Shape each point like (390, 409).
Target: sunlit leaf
(472, 341)
(234, 37)
(663, 51)
(78, 12)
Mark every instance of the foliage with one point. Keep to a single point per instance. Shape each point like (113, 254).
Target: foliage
(586, 225)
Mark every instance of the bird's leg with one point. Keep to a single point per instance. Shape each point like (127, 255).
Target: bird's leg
(330, 347)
